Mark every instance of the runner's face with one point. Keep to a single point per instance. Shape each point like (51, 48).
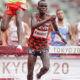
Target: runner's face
(60, 15)
(42, 7)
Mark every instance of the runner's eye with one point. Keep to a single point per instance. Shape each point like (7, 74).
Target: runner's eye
(43, 6)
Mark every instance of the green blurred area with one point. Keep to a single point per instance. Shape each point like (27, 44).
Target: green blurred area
(1, 6)
(30, 9)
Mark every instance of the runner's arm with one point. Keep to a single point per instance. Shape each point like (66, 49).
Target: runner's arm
(70, 34)
(35, 24)
(56, 29)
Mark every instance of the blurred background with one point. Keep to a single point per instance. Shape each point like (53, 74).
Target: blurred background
(71, 8)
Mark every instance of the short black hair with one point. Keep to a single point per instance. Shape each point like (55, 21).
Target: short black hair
(41, 1)
(59, 9)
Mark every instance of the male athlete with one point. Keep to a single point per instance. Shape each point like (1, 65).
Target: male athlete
(64, 28)
(37, 45)
(15, 7)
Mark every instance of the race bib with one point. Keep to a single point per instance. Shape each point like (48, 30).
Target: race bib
(42, 34)
(58, 39)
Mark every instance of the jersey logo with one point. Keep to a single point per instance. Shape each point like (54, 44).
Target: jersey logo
(44, 28)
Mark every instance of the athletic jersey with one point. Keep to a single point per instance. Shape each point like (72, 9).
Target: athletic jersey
(38, 38)
(56, 40)
(12, 34)
(78, 27)
(13, 1)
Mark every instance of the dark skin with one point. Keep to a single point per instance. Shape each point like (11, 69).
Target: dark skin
(42, 7)
(42, 12)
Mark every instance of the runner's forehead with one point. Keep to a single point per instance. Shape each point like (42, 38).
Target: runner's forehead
(60, 11)
(42, 3)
